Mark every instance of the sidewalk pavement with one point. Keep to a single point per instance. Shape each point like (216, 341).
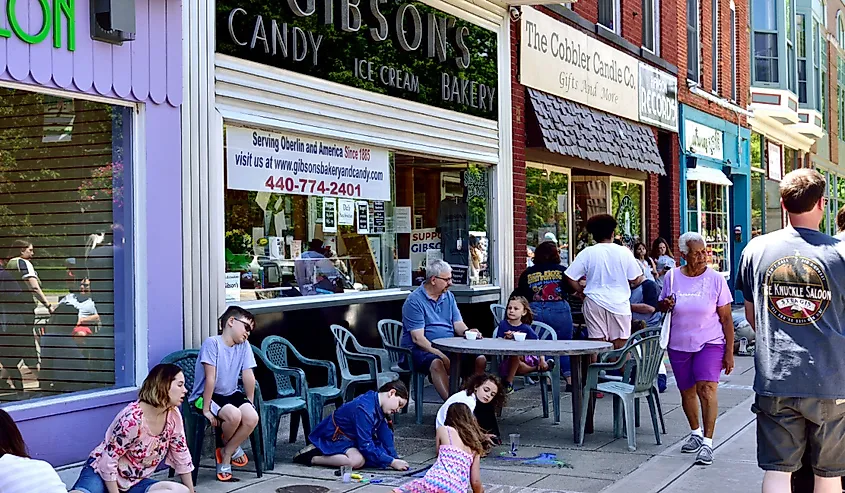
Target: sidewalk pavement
(602, 464)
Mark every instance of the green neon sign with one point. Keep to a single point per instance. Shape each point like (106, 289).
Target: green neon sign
(52, 17)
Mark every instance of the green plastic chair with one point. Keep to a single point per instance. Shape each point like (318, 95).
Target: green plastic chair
(498, 311)
(626, 377)
(391, 337)
(377, 360)
(195, 423)
(290, 397)
(647, 355)
(276, 349)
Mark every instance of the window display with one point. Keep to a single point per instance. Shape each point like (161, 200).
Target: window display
(306, 216)
(547, 198)
(66, 262)
(707, 205)
(590, 199)
(627, 207)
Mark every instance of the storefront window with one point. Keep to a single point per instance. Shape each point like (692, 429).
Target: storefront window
(627, 207)
(708, 215)
(757, 192)
(590, 199)
(331, 217)
(65, 217)
(774, 212)
(547, 205)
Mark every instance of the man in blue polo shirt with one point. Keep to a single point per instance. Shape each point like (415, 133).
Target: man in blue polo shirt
(431, 313)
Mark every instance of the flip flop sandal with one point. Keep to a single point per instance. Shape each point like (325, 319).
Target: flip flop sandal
(224, 473)
(239, 458)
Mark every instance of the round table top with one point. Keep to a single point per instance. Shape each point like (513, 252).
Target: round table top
(510, 347)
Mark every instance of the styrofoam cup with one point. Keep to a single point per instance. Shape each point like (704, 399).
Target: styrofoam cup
(519, 336)
(471, 335)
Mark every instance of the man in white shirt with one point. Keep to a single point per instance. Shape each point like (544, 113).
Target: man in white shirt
(610, 270)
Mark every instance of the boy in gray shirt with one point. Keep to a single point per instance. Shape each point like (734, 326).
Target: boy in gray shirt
(223, 359)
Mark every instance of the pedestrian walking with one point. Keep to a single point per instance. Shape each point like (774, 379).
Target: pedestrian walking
(700, 340)
(793, 281)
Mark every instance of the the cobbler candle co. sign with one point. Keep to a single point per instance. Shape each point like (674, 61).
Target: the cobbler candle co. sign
(404, 49)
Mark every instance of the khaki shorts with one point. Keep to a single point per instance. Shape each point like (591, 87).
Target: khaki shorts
(787, 425)
(602, 324)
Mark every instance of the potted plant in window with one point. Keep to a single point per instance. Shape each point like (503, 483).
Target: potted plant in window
(238, 255)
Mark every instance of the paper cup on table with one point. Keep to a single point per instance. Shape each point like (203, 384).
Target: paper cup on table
(471, 335)
(519, 336)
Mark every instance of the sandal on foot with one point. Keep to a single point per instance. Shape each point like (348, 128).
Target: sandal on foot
(239, 458)
(224, 473)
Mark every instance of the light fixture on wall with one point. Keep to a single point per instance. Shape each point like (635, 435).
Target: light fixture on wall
(113, 21)
(691, 162)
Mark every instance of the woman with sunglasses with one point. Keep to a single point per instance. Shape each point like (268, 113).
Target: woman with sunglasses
(222, 360)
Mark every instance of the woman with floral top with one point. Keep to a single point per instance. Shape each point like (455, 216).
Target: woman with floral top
(145, 433)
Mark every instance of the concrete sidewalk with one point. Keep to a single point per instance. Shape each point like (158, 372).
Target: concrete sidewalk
(601, 464)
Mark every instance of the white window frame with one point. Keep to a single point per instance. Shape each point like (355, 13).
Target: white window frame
(714, 48)
(655, 6)
(734, 53)
(697, 73)
(617, 18)
(80, 401)
(840, 29)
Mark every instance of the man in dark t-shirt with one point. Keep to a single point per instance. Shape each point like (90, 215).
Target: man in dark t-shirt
(793, 281)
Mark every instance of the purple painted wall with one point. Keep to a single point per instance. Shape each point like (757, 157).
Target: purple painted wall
(146, 70)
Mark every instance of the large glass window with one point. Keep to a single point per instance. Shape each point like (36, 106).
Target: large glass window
(693, 47)
(707, 207)
(626, 205)
(332, 217)
(547, 197)
(590, 198)
(609, 15)
(765, 41)
(65, 220)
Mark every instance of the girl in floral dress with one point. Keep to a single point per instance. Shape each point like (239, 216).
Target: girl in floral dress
(459, 449)
(145, 433)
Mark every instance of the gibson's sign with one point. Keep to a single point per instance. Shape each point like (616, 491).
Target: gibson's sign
(403, 49)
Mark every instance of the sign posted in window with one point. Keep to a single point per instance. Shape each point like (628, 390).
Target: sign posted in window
(263, 161)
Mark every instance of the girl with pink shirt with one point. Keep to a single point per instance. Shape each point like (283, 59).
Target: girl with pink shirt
(701, 339)
(145, 433)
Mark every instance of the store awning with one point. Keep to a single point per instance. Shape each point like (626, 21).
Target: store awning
(708, 175)
(575, 130)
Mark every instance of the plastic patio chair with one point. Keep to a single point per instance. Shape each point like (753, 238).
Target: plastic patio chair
(377, 360)
(290, 398)
(276, 349)
(604, 357)
(647, 355)
(195, 423)
(391, 337)
(498, 311)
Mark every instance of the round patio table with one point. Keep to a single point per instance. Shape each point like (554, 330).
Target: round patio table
(577, 351)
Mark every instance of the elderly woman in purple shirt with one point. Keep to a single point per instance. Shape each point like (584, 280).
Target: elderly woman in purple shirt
(701, 339)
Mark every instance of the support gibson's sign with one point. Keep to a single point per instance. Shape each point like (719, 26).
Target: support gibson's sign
(561, 60)
(403, 49)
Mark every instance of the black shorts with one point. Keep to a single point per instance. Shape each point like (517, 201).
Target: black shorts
(236, 399)
(787, 425)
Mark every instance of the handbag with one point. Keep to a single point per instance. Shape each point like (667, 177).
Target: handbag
(667, 318)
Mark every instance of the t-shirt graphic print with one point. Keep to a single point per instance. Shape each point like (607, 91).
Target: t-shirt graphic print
(797, 290)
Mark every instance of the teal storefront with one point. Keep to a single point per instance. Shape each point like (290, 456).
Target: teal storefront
(716, 186)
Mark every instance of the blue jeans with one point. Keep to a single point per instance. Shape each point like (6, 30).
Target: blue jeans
(558, 316)
(91, 482)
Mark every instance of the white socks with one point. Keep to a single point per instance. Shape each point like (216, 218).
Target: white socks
(699, 433)
(708, 442)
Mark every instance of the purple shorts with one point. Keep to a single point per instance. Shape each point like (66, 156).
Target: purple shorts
(703, 366)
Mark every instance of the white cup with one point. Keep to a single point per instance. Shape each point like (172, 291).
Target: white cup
(519, 336)
(471, 336)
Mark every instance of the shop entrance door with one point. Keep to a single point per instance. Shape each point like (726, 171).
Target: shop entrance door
(590, 196)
